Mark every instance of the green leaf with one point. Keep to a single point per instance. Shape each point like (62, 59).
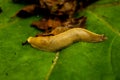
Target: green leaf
(94, 61)
(80, 61)
(19, 62)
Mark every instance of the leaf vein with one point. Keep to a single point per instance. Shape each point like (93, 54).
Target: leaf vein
(52, 66)
(116, 3)
(104, 22)
(110, 53)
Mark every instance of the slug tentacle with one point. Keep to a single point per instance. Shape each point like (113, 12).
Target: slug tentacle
(59, 41)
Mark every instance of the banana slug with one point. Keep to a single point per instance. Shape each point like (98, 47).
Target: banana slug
(64, 39)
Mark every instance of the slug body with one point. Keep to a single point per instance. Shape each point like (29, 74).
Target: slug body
(59, 41)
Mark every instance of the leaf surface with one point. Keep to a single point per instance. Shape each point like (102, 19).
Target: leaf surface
(19, 62)
(80, 61)
(94, 61)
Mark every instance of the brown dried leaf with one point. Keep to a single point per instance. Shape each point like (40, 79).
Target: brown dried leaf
(42, 24)
(54, 27)
(54, 7)
(79, 21)
(58, 15)
(75, 23)
(47, 25)
(28, 11)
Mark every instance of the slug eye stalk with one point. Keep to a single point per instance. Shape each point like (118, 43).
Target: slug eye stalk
(64, 39)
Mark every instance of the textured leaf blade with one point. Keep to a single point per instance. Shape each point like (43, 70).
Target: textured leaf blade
(19, 62)
(93, 61)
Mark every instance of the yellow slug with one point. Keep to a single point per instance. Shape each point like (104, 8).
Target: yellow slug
(64, 39)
